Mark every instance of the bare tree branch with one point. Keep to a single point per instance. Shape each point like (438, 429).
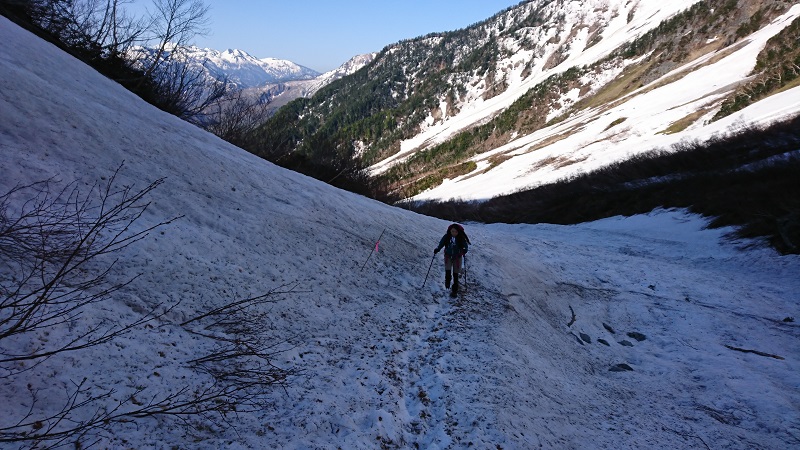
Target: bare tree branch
(55, 246)
(47, 248)
(175, 23)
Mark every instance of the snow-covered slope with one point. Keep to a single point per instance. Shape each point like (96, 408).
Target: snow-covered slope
(547, 89)
(351, 66)
(522, 360)
(561, 42)
(550, 88)
(597, 136)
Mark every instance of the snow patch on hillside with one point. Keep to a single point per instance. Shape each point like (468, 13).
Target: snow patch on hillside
(583, 142)
(610, 15)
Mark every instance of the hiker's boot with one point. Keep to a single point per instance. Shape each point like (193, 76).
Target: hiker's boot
(454, 291)
(447, 279)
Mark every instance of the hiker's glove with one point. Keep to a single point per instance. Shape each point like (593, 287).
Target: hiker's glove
(435, 251)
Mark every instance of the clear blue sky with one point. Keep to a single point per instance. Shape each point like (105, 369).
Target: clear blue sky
(323, 34)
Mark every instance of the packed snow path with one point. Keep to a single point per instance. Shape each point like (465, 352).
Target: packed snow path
(613, 333)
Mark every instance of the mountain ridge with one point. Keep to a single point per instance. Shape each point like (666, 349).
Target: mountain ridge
(565, 58)
(244, 70)
(279, 94)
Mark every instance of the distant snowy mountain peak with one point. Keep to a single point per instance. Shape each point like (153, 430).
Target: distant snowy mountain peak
(350, 67)
(276, 81)
(279, 94)
(235, 53)
(245, 70)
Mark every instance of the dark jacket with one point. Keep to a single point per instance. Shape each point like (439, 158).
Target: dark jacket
(453, 246)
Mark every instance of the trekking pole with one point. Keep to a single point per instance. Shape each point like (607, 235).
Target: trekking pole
(429, 271)
(465, 272)
(373, 250)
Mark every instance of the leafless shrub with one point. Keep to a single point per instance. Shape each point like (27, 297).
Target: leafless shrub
(55, 246)
(57, 252)
(184, 89)
(243, 357)
(236, 116)
(49, 247)
(103, 26)
(173, 24)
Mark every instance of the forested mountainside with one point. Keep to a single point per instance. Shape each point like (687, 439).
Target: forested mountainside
(426, 108)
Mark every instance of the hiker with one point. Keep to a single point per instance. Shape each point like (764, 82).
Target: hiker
(455, 243)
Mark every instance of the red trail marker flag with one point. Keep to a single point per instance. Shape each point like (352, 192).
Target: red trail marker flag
(374, 250)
